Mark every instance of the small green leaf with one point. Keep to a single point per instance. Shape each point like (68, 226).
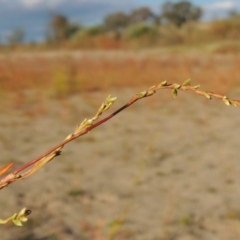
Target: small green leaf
(17, 222)
(174, 92)
(207, 95)
(17, 219)
(196, 87)
(186, 82)
(164, 83)
(141, 94)
(226, 101)
(110, 99)
(176, 86)
(21, 217)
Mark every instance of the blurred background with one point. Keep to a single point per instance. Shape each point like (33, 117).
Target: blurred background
(90, 45)
(60, 59)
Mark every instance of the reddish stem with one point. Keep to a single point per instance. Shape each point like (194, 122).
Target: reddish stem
(74, 136)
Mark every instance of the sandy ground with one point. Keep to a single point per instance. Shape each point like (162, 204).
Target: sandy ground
(164, 169)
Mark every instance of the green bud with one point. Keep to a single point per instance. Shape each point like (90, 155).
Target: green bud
(174, 92)
(186, 82)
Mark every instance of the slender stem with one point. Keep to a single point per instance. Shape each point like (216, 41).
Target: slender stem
(139, 96)
(73, 136)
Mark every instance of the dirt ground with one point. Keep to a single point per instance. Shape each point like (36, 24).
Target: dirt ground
(164, 169)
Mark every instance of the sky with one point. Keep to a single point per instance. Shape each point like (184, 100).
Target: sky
(33, 15)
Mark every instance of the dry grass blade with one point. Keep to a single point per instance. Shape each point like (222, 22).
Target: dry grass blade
(5, 168)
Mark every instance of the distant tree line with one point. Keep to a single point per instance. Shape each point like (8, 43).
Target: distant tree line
(178, 14)
(139, 22)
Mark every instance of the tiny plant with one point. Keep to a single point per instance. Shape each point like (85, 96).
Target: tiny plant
(87, 125)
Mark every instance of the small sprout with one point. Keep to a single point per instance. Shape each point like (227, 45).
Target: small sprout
(174, 92)
(186, 82)
(141, 94)
(111, 99)
(107, 104)
(176, 86)
(196, 87)
(226, 101)
(19, 218)
(164, 83)
(206, 95)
